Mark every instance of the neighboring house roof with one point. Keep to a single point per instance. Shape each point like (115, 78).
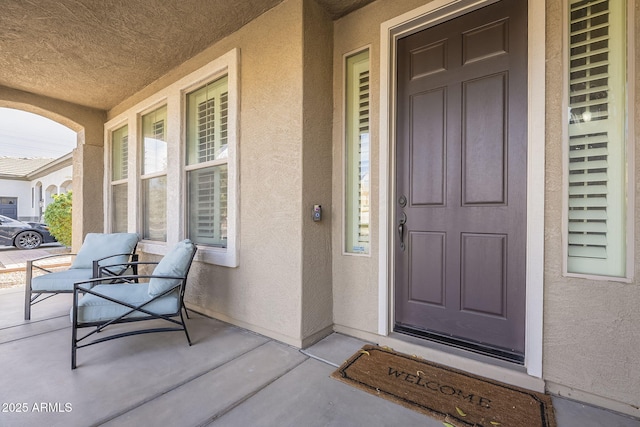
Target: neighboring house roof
(20, 167)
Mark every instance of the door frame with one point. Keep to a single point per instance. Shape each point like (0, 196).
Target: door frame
(418, 19)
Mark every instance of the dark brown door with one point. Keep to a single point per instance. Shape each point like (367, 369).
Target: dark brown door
(461, 181)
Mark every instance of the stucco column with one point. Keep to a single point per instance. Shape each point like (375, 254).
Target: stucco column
(316, 293)
(88, 168)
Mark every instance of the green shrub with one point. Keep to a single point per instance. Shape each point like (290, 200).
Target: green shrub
(58, 217)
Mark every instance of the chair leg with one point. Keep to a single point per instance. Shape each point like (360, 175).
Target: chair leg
(74, 330)
(184, 326)
(27, 293)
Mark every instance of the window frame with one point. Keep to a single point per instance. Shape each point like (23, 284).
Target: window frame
(111, 182)
(174, 96)
(146, 176)
(345, 148)
(628, 148)
(229, 255)
(193, 164)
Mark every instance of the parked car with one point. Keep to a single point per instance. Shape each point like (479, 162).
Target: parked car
(23, 235)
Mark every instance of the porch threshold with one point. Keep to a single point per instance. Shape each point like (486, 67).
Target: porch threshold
(474, 363)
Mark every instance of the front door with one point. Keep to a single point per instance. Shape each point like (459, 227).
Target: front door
(461, 167)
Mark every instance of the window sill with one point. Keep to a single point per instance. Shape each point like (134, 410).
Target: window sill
(152, 247)
(224, 257)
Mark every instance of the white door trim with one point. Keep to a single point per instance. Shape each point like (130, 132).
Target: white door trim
(423, 17)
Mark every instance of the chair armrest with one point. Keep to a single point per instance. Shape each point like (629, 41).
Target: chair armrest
(97, 268)
(125, 265)
(77, 286)
(115, 255)
(30, 263)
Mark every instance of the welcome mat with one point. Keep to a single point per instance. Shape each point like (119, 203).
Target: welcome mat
(457, 398)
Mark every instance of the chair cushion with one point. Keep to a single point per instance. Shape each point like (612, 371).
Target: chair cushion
(175, 263)
(60, 280)
(97, 246)
(92, 308)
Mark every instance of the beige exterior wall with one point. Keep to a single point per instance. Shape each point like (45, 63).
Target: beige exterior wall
(591, 339)
(317, 315)
(282, 286)
(87, 158)
(355, 277)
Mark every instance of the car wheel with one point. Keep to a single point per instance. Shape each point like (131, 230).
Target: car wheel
(28, 240)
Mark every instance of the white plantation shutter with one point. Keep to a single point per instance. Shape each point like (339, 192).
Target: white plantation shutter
(357, 155)
(153, 189)
(120, 153)
(208, 195)
(363, 158)
(597, 175)
(207, 145)
(119, 175)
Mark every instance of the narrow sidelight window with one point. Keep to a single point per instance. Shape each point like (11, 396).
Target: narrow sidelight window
(597, 140)
(154, 175)
(119, 175)
(357, 148)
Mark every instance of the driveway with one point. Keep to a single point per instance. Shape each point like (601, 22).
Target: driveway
(12, 258)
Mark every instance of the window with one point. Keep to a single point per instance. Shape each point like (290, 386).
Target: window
(597, 172)
(207, 158)
(119, 175)
(184, 143)
(154, 175)
(357, 173)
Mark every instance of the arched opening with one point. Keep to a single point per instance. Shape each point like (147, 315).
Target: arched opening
(48, 195)
(66, 186)
(87, 158)
(38, 149)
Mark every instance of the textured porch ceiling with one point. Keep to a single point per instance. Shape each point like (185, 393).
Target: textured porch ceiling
(97, 53)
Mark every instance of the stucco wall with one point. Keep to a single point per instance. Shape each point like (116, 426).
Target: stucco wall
(265, 292)
(591, 339)
(355, 278)
(317, 314)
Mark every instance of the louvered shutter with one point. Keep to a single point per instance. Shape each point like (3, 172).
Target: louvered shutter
(120, 153)
(357, 154)
(119, 174)
(207, 145)
(363, 158)
(597, 68)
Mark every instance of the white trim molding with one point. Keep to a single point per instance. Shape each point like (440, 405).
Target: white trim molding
(173, 96)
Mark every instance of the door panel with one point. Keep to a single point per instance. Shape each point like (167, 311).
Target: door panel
(461, 167)
(484, 140)
(428, 149)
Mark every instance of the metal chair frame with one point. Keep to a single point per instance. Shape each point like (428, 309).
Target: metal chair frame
(79, 342)
(31, 298)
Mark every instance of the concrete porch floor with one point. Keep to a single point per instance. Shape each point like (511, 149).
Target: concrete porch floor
(229, 377)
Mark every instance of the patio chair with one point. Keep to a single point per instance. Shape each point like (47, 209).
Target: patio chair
(161, 297)
(100, 254)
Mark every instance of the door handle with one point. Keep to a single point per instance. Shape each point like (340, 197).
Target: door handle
(401, 222)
